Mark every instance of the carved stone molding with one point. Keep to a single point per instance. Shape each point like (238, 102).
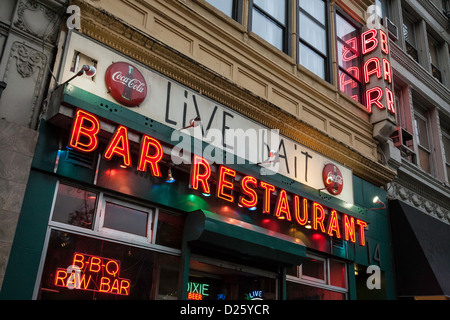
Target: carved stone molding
(27, 59)
(36, 19)
(28, 62)
(118, 35)
(420, 197)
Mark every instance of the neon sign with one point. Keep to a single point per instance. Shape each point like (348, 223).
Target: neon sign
(376, 70)
(254, 295)
(93, 273)
(286, 206)
(289, 207)
(84, 138)
(196, 291)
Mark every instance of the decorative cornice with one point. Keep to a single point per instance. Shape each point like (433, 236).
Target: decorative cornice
(117, 34)
(421, 190)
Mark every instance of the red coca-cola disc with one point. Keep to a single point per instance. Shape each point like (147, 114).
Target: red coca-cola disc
(126, 84)
(332, 179)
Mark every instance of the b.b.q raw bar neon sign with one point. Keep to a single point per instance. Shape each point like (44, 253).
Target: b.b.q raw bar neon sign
(93, 273)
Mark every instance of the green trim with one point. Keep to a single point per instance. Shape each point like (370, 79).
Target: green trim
(245, 238)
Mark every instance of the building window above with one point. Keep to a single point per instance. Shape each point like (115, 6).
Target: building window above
(409, 34)
(313, 36)
(269, 21)
(445, 126)
(349, 58)
(422, 129)
(403, 137)
(434, 47)
(230, 7)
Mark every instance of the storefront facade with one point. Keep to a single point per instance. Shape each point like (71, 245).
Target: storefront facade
(139, 190)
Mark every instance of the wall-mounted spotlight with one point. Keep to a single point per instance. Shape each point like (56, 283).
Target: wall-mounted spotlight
(273, 158)
(377, 200)
(193, 123)
(89, 71)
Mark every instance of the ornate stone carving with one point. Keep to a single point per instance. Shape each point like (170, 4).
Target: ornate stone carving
(28, 62)
(27, 59)
(397, 191)
(37, 20)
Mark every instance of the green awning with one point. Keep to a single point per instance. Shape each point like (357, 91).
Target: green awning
(244, 238)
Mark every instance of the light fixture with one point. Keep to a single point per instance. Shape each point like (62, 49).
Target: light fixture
(272, 154)
(206, 194)
(170, 178)
(308, 225)
(193, 123)
(89, 71)
(377, 200)
(252, 208)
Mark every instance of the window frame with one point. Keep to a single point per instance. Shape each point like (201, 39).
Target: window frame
(423, 114)
(287, 29)
(328, 63)
(323, 284)
(407, 16)
(111, 234)
(351, 21)
(237, 10)
(118, 234)
(446, 136)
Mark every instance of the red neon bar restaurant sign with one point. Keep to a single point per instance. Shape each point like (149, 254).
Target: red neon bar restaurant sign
(293, 208)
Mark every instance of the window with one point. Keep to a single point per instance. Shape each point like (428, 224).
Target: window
(211, 279)
(402, 137)
(317, 278)
(409, 34)
(445, 126)
(269, 20)
(384, 7)
(119, 218)
(116, 219)
(78, 267)
(313, 36)
(230, 7)
(433, 46)
(349, 59)
(421, 124)
(75, 206)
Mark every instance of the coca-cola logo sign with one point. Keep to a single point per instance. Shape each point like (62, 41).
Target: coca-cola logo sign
(332, 179)
(126, 84)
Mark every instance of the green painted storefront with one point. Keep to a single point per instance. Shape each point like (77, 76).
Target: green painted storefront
(25, 266)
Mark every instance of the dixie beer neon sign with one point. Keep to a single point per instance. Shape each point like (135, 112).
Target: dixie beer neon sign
(376, 70)
(288, 207)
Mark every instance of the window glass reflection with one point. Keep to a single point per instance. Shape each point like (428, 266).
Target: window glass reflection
(74, 206)
(169, 231)
(267, 30)
(126, 219)
(311, 60)
(226, 6)
(275, 8)
(82, 268)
